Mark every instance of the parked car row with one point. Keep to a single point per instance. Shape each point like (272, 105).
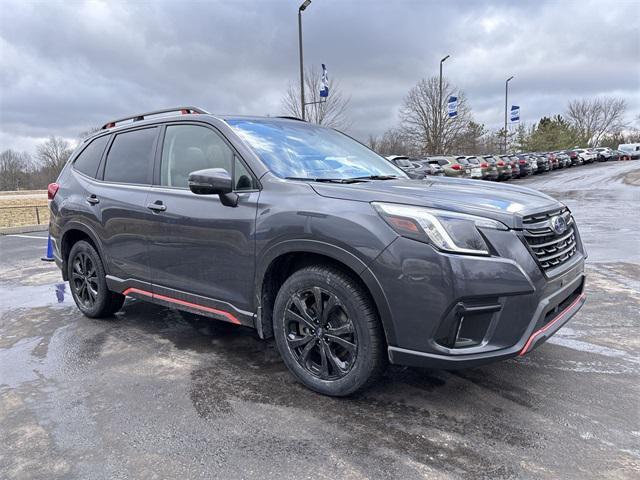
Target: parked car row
(504, 167)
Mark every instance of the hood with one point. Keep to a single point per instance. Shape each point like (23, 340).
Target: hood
(505, 203)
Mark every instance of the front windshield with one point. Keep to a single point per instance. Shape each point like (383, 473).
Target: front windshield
(303, 150)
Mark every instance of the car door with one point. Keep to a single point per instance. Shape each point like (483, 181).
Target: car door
(119, 200)
(200, 250)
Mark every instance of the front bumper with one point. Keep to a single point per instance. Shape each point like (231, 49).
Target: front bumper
(526, 344)
(456, 311)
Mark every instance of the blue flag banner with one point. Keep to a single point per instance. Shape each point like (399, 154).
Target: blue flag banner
(452, 106)
(324, 87)
(515, 113)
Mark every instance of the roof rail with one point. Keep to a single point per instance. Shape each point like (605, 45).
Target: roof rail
(141, 116)
(287, 117)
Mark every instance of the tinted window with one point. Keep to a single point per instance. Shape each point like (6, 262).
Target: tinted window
(89, 159)
(130, 157)
(463, 161)
(188, 148)
(242, 178)
(404, 163)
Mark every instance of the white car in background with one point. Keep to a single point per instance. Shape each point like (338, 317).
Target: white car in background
(604, 154)
(587, 155)
(633, 149)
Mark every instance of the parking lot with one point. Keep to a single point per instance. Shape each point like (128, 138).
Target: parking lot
(150, 395)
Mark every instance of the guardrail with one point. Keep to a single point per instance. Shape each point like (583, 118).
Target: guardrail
(26, 215)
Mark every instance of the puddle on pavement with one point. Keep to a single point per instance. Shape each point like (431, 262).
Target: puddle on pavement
(32, 296)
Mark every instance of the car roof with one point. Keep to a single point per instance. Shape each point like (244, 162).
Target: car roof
(188, 114)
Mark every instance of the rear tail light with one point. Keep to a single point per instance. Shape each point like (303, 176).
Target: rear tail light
(484, 165)
(522, 162)
(501, 164)
(52, 189)
(456, 167)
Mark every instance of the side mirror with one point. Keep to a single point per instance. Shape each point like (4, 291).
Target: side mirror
(213, 181)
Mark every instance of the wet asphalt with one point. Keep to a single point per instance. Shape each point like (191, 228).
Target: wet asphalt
(148, 394)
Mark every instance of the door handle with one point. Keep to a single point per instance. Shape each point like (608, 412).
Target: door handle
(157, 207)
(92, 199)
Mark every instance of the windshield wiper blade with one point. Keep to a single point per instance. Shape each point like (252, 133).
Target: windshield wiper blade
(377, 177)
(327, 180)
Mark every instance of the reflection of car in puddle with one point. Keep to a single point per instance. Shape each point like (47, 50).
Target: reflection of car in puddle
(60, 291)
(33, 296)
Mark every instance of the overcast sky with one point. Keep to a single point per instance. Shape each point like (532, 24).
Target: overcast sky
(68, 66)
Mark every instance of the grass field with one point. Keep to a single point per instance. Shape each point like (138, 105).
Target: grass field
(23, 208)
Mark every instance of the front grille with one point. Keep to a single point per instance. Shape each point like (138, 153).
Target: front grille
(549, 248)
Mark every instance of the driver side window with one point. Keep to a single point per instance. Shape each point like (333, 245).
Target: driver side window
(188, 148)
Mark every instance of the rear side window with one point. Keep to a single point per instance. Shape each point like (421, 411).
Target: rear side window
(188, 148)
(130, 157)
(89, 159)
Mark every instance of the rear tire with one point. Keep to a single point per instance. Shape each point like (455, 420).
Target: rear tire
(88, 284)
(328, 332)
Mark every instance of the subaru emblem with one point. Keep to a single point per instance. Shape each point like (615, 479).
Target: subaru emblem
(559, 224)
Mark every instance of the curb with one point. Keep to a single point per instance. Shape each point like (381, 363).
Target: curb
(23, 229)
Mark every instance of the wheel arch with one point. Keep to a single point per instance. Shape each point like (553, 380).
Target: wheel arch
(279, 262)
(74, 232)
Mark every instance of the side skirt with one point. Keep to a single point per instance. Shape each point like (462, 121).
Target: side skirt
(180, 300)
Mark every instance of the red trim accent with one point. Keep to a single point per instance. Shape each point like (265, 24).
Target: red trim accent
(164, 298)
(137, 290)
(549, 325)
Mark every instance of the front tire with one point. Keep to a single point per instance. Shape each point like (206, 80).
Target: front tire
(87, 282)
(328, 332)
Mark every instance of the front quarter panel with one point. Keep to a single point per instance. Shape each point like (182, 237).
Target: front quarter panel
(293, 218)
(291, 213)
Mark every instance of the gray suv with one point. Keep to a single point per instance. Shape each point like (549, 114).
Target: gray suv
(308, 236)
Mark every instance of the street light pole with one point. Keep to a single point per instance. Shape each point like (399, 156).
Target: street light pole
(301, 9)
(506, 100)
(440, 108)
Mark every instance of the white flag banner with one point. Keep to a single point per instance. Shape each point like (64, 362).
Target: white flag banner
(515, 113)
(324, 88)
(452, 106)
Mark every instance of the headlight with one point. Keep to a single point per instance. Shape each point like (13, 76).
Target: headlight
(448, 231)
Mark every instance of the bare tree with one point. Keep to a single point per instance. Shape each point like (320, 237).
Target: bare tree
(425, 119)
(14, 168)
(53, 154)
(594, 119)
(333, 112)
(391, 142)
(474, 140)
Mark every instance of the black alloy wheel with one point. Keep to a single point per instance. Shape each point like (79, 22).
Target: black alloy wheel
(84, 280)
(320, 334)
(328, 332)
(88, 284)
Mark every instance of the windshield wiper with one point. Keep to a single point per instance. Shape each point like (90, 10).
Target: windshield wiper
(377, 177)
(327, 180)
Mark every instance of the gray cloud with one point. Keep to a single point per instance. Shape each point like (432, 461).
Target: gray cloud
(67, 66)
